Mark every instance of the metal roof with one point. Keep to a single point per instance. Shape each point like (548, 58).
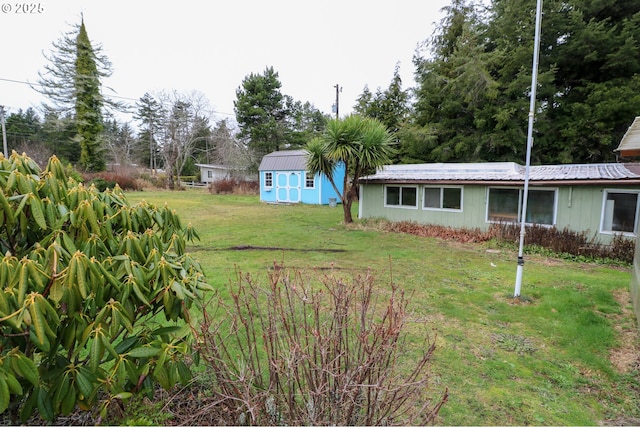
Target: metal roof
(631, 140)
(284, 160)
(506, 172)
(203, 165)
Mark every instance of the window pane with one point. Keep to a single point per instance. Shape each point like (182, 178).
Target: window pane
(452, 198)
(503, 204)
(309, 181)
(620, 212)
(432, 198)
(409, 196)
(540, 207)
(393, 195)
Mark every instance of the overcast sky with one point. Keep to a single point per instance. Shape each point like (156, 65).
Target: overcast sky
(210, 46)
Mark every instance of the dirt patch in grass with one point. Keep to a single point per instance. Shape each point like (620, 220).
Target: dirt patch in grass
(626, 357)
(260, 248)
(275, 248)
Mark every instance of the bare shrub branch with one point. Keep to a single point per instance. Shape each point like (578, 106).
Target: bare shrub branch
(331, 352)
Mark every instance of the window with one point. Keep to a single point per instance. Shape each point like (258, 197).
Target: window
(268, 179)
(620, 212)
(309, 181)
(449, 198)
(209, 174)
(401, 196)
(505, 205)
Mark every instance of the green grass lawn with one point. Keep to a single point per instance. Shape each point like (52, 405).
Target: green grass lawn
(551, 357)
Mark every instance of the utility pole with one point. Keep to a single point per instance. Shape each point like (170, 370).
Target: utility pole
(4, 132)
(338, 90)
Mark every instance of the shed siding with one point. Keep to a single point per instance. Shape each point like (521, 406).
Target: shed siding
(294, 190)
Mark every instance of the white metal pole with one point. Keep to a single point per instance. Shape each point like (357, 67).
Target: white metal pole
(4, 132)
(532, 106)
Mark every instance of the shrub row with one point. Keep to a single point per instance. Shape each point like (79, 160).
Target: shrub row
(561, 242)
(105, 180)
(234, 186)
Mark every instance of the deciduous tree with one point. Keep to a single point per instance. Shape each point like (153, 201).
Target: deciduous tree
(185, 124)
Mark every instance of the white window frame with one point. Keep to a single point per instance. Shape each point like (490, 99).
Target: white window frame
(441, 188)
(210, 174)
(520, 203)
(268, 177)
(605, 193)
(309, 177)
(400, 205)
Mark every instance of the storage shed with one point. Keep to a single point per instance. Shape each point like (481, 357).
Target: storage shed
(284, 179)
(212, 173)
(600, 199)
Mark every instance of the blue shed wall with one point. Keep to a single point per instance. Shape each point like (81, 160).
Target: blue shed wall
(321, 193)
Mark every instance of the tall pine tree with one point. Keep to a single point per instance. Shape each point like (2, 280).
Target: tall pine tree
(473, 90)
(260, 112)
(88, 107)
(71, 81)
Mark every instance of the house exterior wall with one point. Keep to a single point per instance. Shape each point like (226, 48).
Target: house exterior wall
(578, 208)
(208, 175)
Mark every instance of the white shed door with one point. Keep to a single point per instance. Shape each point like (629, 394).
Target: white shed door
(288, 187)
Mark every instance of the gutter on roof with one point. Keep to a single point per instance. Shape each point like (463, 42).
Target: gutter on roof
(506, 183)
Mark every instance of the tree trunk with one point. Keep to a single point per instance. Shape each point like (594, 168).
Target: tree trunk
(349, 196)
(346, 206)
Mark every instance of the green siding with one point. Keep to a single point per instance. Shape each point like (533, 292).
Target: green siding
(578, 208)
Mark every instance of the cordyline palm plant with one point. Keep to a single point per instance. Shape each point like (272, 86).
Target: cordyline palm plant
(82, 280)
(362, 144)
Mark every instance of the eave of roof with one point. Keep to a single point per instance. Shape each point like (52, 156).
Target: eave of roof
(630, 142)
(508, 174)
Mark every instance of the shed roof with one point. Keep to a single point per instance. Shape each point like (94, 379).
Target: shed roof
(630, 142)
(203, 165)
(284, 160)
(508, 173)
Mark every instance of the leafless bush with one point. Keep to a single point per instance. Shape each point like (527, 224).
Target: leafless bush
(464, 235)
(566, 241)
(290, 354)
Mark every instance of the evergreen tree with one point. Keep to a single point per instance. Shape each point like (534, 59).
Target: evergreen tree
(22, 127)
(150, 115)
(260, 112)
(88, 106)
(390, 106)
(472, 99)
(72, 82)
(454, 86)
(58, 132)
(303, 122)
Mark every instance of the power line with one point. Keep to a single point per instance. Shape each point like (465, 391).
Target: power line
(109, 96)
